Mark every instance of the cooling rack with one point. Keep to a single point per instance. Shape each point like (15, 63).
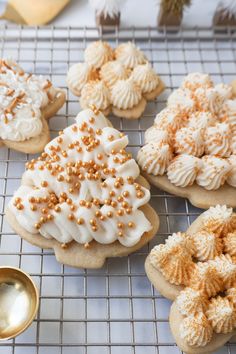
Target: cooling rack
(114, 309)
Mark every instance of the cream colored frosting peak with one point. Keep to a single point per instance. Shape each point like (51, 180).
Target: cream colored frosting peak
(183, 170)
(154, 158)
(129, 55)
(169, 119)
(98, 53)
(189, 140)
(95, 93)
(126, 94)
(113, 71)
(196, 330)
(207, 245)
(222, 315)
(146, 77)
(156, 135)
(195, 80)
(191, 301)
(230, 243)
(78, 75)
(218, 140)
(206, 279)
(219, 219)
(226, 269)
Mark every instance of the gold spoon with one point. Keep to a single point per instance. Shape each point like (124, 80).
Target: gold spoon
(19, 302)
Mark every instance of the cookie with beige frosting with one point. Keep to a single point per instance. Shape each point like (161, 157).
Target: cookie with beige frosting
(125, 72)
(26, 102)
(198, 123)
(197, 270)
(84, 197)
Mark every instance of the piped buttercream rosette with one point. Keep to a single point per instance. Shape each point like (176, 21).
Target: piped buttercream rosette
(83, 196)
(197, 129)
(197, 270)
(123, 77)
(26, 102)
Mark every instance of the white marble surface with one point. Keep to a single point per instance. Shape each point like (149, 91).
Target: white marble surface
(134, 13)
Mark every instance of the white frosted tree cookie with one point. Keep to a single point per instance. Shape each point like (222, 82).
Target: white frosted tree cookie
(120, 81)
(190, 149)
(197, 270)
(26, 103)
(84, 197)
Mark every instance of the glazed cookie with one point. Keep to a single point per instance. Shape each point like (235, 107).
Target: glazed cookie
(120, 81)
(84, 197)
(197, 270)
(26, 102)
(199, 121)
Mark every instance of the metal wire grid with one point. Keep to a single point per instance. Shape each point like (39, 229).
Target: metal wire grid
(115, 308)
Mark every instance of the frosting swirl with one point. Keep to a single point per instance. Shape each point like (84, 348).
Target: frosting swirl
(201, 120)
(113, 71)
(195, 80)
(129, 55)
(222, 315)
(206, 279)
(189, 140)
(78, 75)
(182, 100)
(231, 295)
(154, 158)
(169, 119)
(183, 170)
(174, 262)
(97, 54)
(219, 219)
(207, 245)
(126, 94)
(146, 77)
(95, 93)
(230, 243)
(196, 330)
(213, 173)
(218, 140)
(156, 135)
(191, 301)
(229, 110)
(226, 269)
(231, 179)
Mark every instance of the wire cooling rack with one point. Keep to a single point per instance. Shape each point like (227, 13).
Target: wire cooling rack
(114, 309)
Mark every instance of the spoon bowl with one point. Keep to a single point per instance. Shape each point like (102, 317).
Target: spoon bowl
(19, 301)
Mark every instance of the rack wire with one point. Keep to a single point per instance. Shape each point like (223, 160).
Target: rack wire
(114, 309)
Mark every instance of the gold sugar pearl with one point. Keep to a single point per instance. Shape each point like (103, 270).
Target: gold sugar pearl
(120, 234)
(131, 224)
(99, 132)
(33, 207)
(18, 200)
(77, 185)
(128, 210)
(120, 199)
(44, 210)
(72, 207)
(112, 194)
(81, 177)
(44, 184)
(98, 213)
(44, 155)
(94, 228)
(50, 217)
(103, 184)
(79, 149)
(60, 132)
(69, 179)
(120, 225)
(71, 146)
(37, 226)
(125, 205)
(59, 140)
(57, 208)
(31, 199)
(117, 185)
(82, 203)
(96, 201)
(121, 135)
(20, 206)
(116, 159)
(64, 245)
(61, 200)
(74, 128)
(120, 212)
(87, 245)
(71, 217)
(92, 222)
(60, 178)
(114, 204)
(64, 154)
(71, 190)
(111, 137)
(63, 195)
(80, 221)
(69, 201)
(125, 194)
(113, 151)
(130, 180)
(99, 156)
(110, 214)
(140, 194)
(102, 217)
(107, 202)
(88, 205)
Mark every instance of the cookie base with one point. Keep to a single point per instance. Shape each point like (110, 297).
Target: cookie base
(217, 341)
(76, 255)
(150, 96)
(133, 113)
(36, 144)
(198, 196)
